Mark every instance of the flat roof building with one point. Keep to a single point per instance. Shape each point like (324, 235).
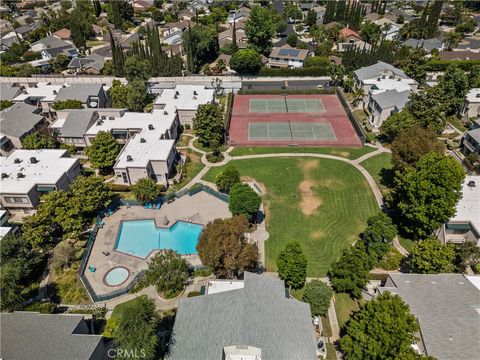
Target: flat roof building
(28, 174)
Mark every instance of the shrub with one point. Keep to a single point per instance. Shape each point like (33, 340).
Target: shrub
(244, 201)
(42, 307)
(318, 295)
(203, 272)
(146, 189)
(371, 138)
(193, 294)
(392, 260)
(227, 178)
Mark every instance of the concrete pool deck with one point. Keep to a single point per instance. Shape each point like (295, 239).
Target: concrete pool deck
(200, 208)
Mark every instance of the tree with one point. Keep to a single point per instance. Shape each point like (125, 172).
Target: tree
(246, 62)
(318, 295)
(103, 151)
(466, 253)
(136, 329)
(227, 178)
(136, 69)
(292, 265)
(411, 144)
(311, 18)
(38, 140)
(383, 328)
(452, 39)
(397, 123)
(317, 61)
(413, 62)
(5, 104)
(429, 107)
(454, 85)
(67, 104)
(11, 288)
(474, 77)
(370, 32)
(147, 190)
(223, 247)
(433, 17)
(168, 271)
(201, 46)
(292, 40)
(292, 11)
(119, 94)
(430, 256)
(92, 193)
(244, 200)
(208, 124)
(337, 73)
(426, 197)
(60, 63)
(350, 272)
(379, 234)
(259, 29)
(137, 96)
(119, 12)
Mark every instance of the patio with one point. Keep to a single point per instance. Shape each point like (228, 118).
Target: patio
(200, 208)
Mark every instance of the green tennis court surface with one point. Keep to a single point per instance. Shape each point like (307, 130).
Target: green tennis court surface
(286, 105)
(290, 131)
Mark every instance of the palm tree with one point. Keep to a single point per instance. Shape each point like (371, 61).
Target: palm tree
(358, 95)
(385, 28)
(452, 38)
(220, 66)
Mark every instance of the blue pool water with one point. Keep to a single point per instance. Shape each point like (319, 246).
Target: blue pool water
(116, 276)
(140, 237)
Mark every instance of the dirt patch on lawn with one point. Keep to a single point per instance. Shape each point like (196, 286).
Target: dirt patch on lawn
(317, 234)
(310, 202)
(344, 154)
(250, 179)
(310, 164)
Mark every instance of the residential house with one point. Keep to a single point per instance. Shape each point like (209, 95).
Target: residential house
(90, 95)
(173, 38)
(320, 11)
(91, 65)
(465, 225)
(5, 26)
(471, 43)
(72, 124)
(28, 174)
(8, 40)
(471, 141)
(51, 46)
(372, 16)
(447, 310)
(427, 44)
(226, 60)
(184, 100)
(253, 320)
(459, 55)
(349, 36)
(31, 335)
(471, 107)
(39, 94)
(9, 92)
(387, 90)
(64, 34)
(390, 29)
(149, 140)
(25, 30)
(287, 57)
(226, 37)
(140, 6)
(241, 14)
(16, 122)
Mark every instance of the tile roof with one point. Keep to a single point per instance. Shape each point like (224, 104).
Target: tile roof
(259, 315)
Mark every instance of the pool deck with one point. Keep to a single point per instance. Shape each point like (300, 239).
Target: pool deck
(200, 208)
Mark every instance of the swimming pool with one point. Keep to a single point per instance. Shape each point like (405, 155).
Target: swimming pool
(141, 237)
(116, 276)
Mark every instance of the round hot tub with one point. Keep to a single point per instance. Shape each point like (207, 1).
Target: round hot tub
(116, 276)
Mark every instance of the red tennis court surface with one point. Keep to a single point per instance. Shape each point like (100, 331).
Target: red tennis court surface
(243, 122)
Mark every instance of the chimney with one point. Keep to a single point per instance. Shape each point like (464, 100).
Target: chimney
(20, 175)
(33, 160)
(17, 161)
(142, 140)
(150, 127)
(129, 158)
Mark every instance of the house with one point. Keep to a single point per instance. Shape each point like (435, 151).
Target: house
(349, 36)
(72, 124)
(459, 55)
(427, 44)
(51, 46)
(25, 30)
(471, 107)
(184, 100)
(149, 140)
(372, 16)
(254, 321)
(5, 228)
(390, 29)
(41, 95)
(241, 14)
(320, 11)
(5, 26)
(90, 95)
(387, 90)
(8, 40)
(28, 174)
(16, 122)
(173, 38)
(286, 56)
(344, 46)
(226, 60)
(31, 335)
(471, 142)
(142, 5)
(465, 225)
(64, 34)
(91, 65)
(471, 43)
(447, 310)
(9, 92)
(226, 37)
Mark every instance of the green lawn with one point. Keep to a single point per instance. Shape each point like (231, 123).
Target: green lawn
(120, 309)
(407, 243)
(344, 307)
(325, 215)
(348, 153)
(380, 167)
(190, 171)
(457, 123)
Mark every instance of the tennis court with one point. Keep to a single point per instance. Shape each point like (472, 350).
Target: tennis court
(285, 105)
(294, 131)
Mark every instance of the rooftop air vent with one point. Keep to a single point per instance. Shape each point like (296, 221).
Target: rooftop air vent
(195, 92)
(20, 175)
(142, 140)
(478, 95)
(33, 160)
(177, 93)
(194, 98)
(399, 79)
(99, 122)
(129, 158)
(378, 79)
(176, 96)
(111, 118)
(150, 127)
(165, 112)
(55, 92)
(103, 117)
(17, 161)
(4, 175)
(471, 183)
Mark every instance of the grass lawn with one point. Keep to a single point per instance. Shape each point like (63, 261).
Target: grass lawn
(91, 43)
(457, 123)
(321, 203)
(184, 140)
(381, 168)
(407, 243)
(348, 153)
(190, 171)
(331, 355)
(120, 309)
(344, 307)
(361, 114)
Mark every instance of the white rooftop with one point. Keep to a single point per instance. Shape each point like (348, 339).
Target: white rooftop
(50, 167)
(41, 90)
(473, 96)
(184, 97)
(4, 230)
(218, 286)
(468, 208)
(141, 153)
(381, 85)
(474, 279)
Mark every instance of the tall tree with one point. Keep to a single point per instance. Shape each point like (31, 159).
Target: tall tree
(433, 17)
(201, 45)
(92, 193)
(429, 108)
(260, 29)
(430, 256)
(383, 328)
(227, 178)
(329, 12)
(168, 272)
(426, 197)
(379, 234)
(292, 265)
(146, 190)
(137, 96)
(340, 10)
(209, 125)
(318, 295)
(454, 85)
(244, 201)
(103, 151)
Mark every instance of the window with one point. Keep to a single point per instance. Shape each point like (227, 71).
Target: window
(16, 200)
(124, 175)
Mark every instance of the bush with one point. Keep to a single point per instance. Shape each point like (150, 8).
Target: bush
(371, 138)
(244, 201)
(118, 187)
(41, 307)
(146, 190)
(203, 272)
(392, 260)
(227, 178)
(476, 268)
(318, 295)
(193, 294)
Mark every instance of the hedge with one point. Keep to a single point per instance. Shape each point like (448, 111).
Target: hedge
(441, 65)
(310, 71)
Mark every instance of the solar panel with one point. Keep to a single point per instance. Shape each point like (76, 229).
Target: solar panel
(289, 52)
